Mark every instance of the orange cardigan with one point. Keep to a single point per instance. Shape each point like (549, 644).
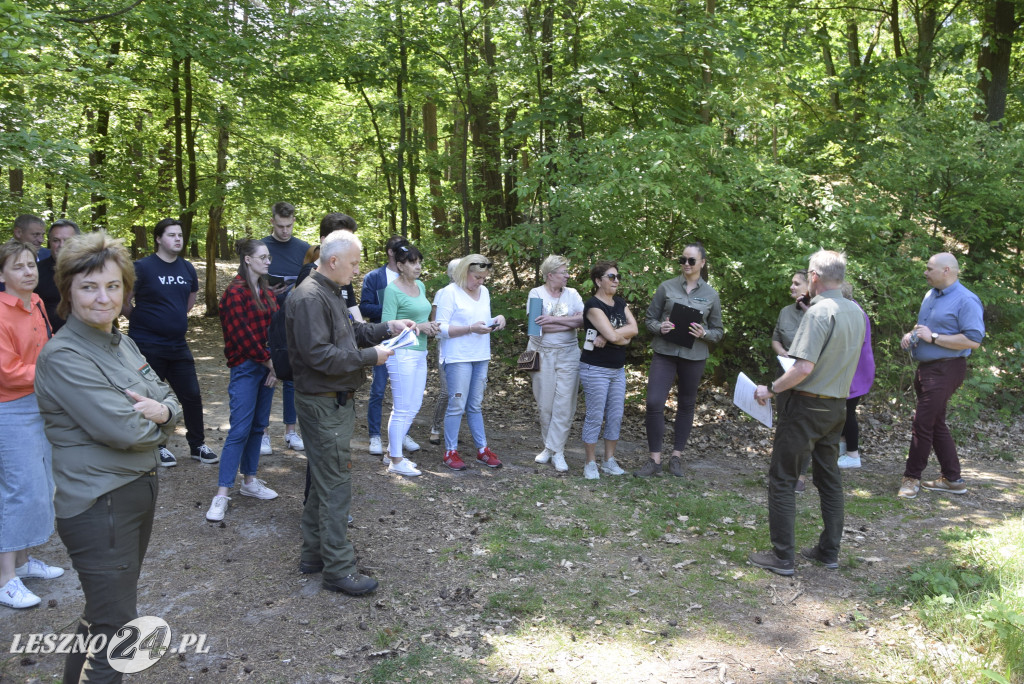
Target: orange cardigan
(22, 336)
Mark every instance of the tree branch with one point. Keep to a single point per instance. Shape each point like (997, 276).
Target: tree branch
(101, 17)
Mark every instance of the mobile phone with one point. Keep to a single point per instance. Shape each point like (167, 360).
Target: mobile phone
(494, 325)
(805, 300)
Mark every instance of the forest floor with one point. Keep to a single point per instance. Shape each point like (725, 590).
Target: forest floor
(522, 574)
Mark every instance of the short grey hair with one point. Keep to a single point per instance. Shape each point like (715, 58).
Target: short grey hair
(451, 267)
(552, 264)
(830, 266)
(338, 242)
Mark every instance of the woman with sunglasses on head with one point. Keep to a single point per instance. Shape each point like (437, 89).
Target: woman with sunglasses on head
(406, 298)
(556, 384)
(246, 308)
(676, 361)
(785, 329)
(603, 366)
(464, 317)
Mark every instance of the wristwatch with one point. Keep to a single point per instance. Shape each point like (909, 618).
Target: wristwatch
(935, 337)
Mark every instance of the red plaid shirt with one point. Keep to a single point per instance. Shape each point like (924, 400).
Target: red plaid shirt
(245, 325)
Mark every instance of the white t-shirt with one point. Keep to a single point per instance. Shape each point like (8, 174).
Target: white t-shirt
(456, 307)
(568, 304)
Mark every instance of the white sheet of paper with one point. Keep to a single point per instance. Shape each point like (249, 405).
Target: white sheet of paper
(786, 362)
(743, 397)
(403, 339)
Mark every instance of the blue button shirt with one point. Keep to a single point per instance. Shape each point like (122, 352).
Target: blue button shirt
(955, 310)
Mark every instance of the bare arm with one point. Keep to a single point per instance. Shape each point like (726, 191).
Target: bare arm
(779, 349)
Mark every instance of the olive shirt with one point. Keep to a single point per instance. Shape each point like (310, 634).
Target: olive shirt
(100, 443)
(830, 336)
(703, 298)
(323, 342)
(785, 327)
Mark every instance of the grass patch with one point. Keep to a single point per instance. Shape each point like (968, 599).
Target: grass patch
(424, 663)
(523, 602)
(974, 600)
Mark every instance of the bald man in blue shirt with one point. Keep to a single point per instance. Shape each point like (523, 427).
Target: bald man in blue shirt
(949, 326)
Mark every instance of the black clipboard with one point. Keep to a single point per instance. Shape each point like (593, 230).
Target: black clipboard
(682, 316)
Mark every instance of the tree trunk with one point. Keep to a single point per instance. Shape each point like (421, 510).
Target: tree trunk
(894, 28)
(216, 214)
(437, 217)
(830, 66)
(926, 28)
(705, 105)
(381, 151)
(414, 172)
(994, 57)
(403, 72)
(98, 155)
(512, 148)
(487, 132)
(190, 151)
(16, 182)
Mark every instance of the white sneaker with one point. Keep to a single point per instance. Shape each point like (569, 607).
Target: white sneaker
(218, 508)
(257, 489)
(590, 471)
(376, 447)
(558, 460)
(37, 569)
(612, 467)
(167, 459)
(543, 457)
(404, 467)
(294, 442)
(265, 448)
(15, 595)
(849, 461)
(409, 445)
(387, 461)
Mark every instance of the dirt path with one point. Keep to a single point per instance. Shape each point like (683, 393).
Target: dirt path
(709, 618)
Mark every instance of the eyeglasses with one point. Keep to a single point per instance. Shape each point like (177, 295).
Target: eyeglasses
(482, 264)
(562, 274)
(265, 258)
(688, 261)
(612, 276)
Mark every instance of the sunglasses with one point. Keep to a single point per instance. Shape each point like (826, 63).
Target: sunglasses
(482, 264)
(688, 261)
(612, 276)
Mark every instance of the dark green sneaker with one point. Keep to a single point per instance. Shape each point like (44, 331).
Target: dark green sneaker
(675, 466)
(649, 469)
(769, 561)
(813, 553)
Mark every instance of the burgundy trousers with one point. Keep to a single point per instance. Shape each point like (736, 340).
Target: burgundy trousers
(934, 384)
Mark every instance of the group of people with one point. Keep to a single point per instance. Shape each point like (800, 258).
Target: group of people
(85, 413)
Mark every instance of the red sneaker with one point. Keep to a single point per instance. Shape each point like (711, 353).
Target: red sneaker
(487, 457)
(452, 460)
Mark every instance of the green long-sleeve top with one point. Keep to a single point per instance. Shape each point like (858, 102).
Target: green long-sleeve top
(703, 298)
(99, 441)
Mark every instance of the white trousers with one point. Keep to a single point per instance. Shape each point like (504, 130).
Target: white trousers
(408, 373)
(555, 387)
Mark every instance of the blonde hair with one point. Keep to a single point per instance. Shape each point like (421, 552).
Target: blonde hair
(469, 264)
(552, 264)
(88, 253)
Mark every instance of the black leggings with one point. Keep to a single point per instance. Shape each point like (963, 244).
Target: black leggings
(851, 432)
(664, 371)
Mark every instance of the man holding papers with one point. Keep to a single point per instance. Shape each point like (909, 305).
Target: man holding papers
(327, 362)
(826, 348)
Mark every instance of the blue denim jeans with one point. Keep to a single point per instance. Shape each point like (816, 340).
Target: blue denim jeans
(288, 402)
(466, 383)
(375, 409)
(249, 399)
